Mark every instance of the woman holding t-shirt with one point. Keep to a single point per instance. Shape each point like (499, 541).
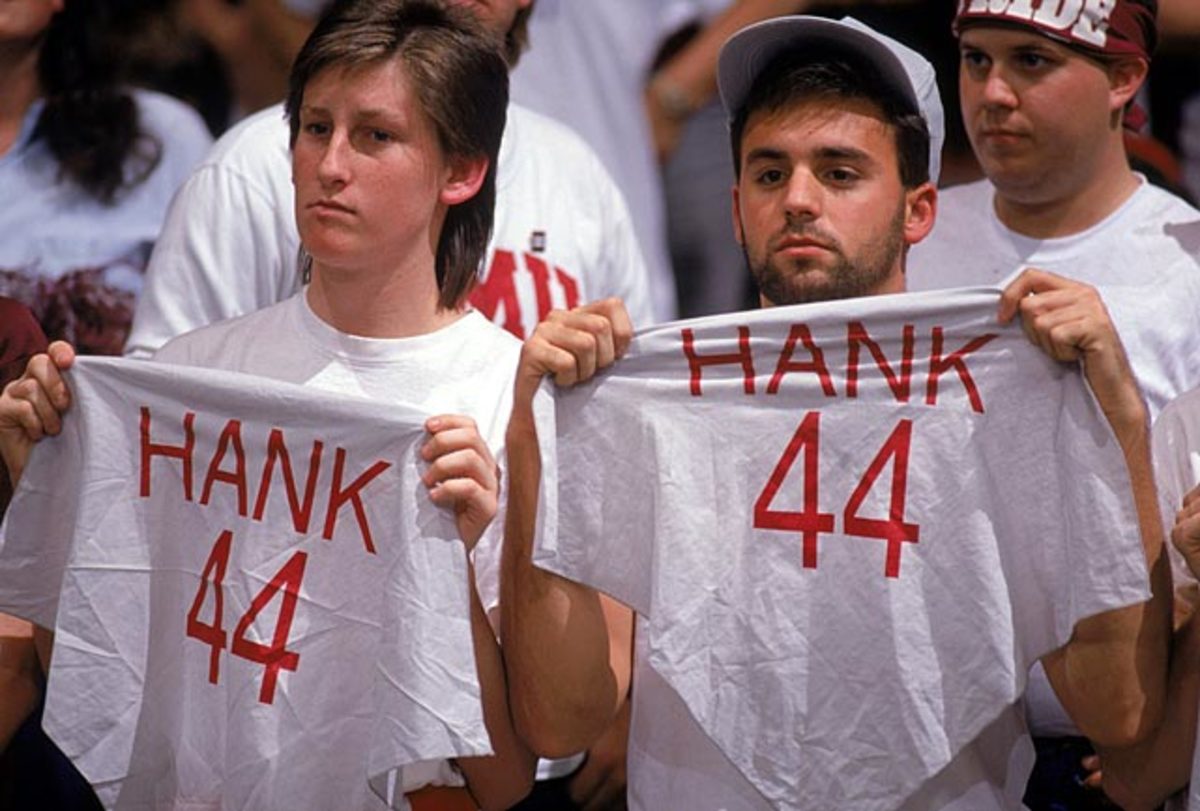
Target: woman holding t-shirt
(396, 110)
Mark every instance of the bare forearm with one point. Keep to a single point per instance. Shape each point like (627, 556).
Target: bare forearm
(20, 682)
(1179, 21)
(282, 30)
(501, 779)
(1112, 675)
(565, 679)
(694, 70)
(1141, 777)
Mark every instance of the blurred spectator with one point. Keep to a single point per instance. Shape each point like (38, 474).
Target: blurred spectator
(1175, 89)
(256, 41)
(87, 168)
(691, 139)
(587, 68)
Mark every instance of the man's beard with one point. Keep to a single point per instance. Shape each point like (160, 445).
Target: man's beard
(798, 282)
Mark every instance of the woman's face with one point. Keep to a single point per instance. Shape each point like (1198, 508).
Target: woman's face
(26, 19)
(369, 173)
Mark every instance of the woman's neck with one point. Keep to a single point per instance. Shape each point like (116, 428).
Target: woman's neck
(378, 305)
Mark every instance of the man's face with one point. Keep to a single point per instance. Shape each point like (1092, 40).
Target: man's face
(1038, 114)
(819, 208)
(495, 15)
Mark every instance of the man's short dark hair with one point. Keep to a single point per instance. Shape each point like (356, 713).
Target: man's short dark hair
(460, 79)
(834, 73)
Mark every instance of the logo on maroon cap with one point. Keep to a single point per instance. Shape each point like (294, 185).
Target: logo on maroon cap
(1109, 26)
(1085, 21)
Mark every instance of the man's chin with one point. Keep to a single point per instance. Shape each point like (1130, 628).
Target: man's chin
(798, 286)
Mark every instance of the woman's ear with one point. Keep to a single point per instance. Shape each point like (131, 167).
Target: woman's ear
(466, 176)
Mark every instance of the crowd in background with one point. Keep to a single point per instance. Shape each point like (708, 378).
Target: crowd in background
(107, 107)
(635, 79)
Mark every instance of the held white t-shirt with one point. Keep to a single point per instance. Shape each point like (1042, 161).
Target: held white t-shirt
(848, 529)
(256, 604)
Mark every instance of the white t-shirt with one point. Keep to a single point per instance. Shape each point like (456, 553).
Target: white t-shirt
(465, 368)
(562, 233)
(822, 655)
(73, 260)
(257, 604)
(587, 67)
(1144, 258)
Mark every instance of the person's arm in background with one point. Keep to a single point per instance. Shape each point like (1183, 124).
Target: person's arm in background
(1179, 21)
(688, 79)
(1140, 778)
(20, 675)
(257, 40)
(279, 28)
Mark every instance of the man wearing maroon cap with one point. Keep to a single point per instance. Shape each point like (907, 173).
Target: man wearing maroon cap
(1047, 90)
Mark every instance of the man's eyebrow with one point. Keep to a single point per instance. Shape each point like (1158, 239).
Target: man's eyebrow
(847, 153)
(765, 153)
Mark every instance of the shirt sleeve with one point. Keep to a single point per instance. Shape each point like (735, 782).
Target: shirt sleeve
(625, 266)
(227, 248)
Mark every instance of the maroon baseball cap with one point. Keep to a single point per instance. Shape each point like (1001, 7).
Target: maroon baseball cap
(1107, 27)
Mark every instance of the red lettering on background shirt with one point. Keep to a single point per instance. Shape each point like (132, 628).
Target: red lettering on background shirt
(499, 289)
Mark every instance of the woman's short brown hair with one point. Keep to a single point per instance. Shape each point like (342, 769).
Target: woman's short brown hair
(460, 79)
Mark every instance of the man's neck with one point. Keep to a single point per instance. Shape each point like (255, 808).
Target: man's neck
(1072, 212)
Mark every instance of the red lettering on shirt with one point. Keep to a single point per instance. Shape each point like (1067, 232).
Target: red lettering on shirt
(697, 362)
(339, 496)
(856, 337)
(231, 435)
(181, 452)
(958, 362)
(277, 450)
(815, 364)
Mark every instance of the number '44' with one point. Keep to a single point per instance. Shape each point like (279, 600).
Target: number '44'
(810, 522)
(274, 656)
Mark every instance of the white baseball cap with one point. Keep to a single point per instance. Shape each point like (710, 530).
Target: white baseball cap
(749, 51)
